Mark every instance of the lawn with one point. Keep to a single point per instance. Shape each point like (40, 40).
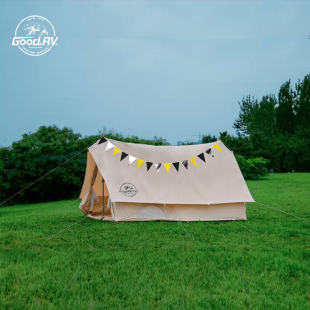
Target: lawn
(146, 265)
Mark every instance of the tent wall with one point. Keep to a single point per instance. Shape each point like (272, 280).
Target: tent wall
(140, 212)
(90, 166)
(217, 180)
(92, 204)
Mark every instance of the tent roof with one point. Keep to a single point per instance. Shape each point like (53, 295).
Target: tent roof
(217, 180)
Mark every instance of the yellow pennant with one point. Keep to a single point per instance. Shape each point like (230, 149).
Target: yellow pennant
(193, 160)
(167, 166)
(140, 162)
(216, 146)
(116, 150)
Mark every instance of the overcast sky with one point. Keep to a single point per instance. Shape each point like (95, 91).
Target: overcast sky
(146, 68)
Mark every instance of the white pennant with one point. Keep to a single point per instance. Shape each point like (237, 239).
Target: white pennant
(131, 159)
(158, 166)
(109, 146)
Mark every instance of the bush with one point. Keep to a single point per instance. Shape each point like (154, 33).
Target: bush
(254, 168)
(36, 154)
(285, 152)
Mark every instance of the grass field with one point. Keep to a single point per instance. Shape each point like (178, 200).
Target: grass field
(146, 265)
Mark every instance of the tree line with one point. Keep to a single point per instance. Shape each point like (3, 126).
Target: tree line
(272, 133)
(277, 128)
(27, 160)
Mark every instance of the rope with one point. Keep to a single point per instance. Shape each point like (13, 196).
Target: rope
(282, 211)
(267, 175)
(245, 227)
(46, 174)
(236, 222)
(67, 228)
(72, 224)
(288, 190)
(186, 230)
(271, 179)
(62, 207)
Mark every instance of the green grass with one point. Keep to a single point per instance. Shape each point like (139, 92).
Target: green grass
(146, 265)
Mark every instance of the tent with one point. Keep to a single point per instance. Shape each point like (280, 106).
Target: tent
(137, 182)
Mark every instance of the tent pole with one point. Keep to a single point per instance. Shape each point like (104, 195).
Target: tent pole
(102, 197)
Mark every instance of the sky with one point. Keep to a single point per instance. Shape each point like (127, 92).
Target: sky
(148, 68)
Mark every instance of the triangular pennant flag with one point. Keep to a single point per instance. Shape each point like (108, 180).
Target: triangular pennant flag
(124, 155)
(148, 165)
(193, 160)
(131, 159)
(216, 146)
(116, 151)
(140, 162)
(102, 140)
(176, 166)
(167, 166)
(209, 151)
(185, 163)
(157, 166)
(109, 146)
(202, 157)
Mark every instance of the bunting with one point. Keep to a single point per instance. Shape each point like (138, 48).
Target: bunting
(123, 156)
(217, 147)
(167, 166)
(193, 160)
(202, 157)
(131, 159)
(209, 151)
(185, 163)
(176, 165)
(148, 165)
(158, 166)
(109, 146)
(102, 140)
(140, 162)
(116, 151)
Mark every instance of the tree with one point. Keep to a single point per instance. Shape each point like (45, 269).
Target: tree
(38, 153)
(265, 117)
(286, 119)
(208, 139)
(302, 102)
(256, 117)
(245, 118)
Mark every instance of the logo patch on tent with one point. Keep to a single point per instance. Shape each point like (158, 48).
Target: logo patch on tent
(128, 189)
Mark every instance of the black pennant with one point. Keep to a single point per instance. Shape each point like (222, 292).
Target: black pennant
(102, 140)
(148, 165)
(124, 155)
(202, 157)
(209, 151)
(185, 163)
(176, 166)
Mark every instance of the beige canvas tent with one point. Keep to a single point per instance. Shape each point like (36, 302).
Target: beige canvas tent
(177, 183)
